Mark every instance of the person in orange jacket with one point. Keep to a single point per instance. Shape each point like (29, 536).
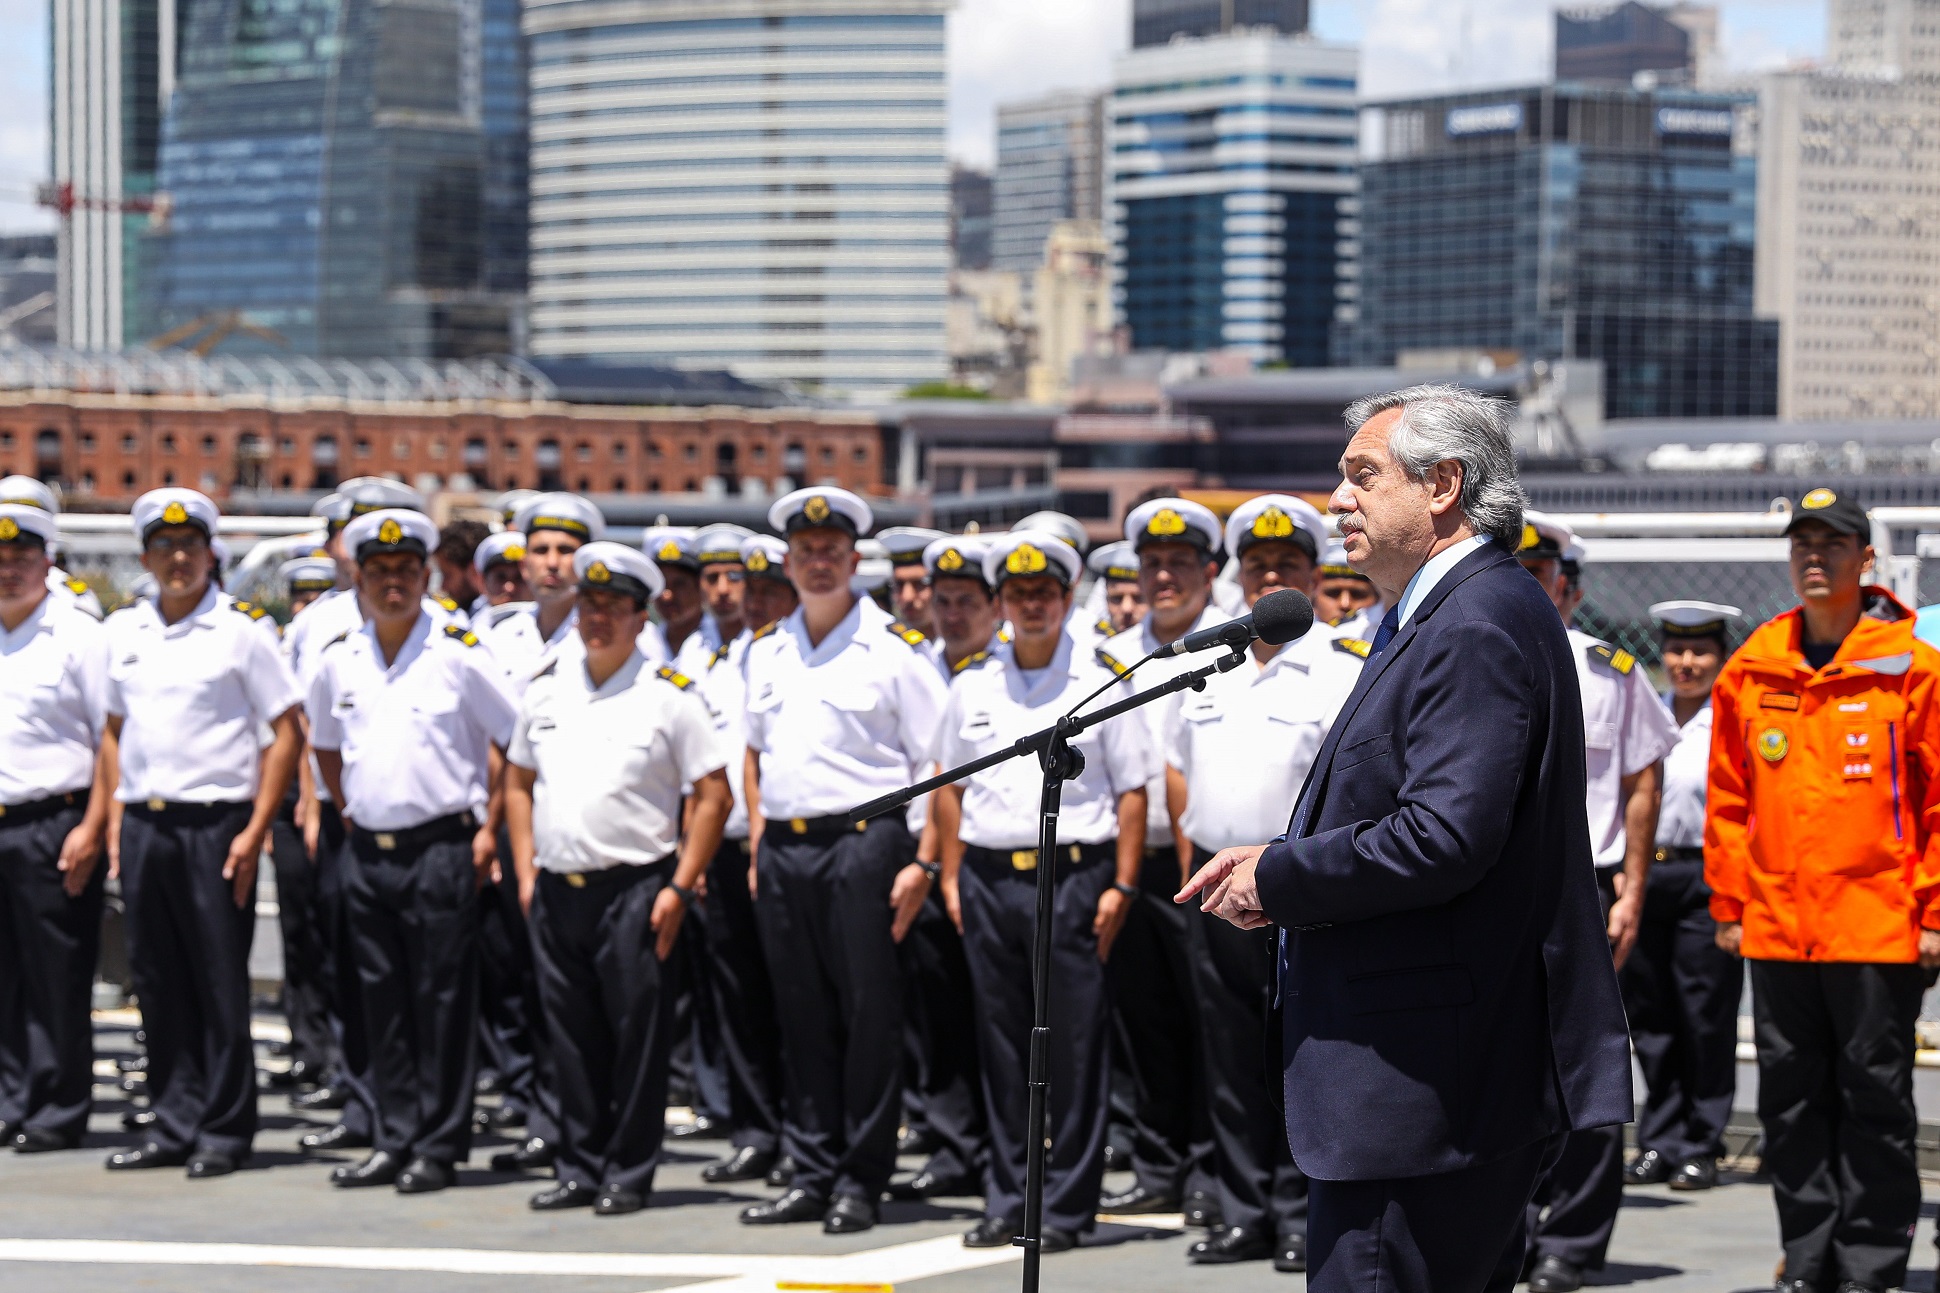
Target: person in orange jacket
(1820, 851)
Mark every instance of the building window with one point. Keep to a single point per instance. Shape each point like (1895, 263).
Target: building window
(693, 452)
(619, 484)
(862, 453)
(585, 485)
(168, 442)
(758, 452)
(828, 454)
(87, 482)
(653, 450)
(619, 451)
(168, 478)
(6, 439)
(653, 484)
(323, 450)
(127, 480)
(286, 445)
(475, 451)
(400, 448)
(511, 449)
(87, 442)
(583, 451)
(437, 449)
(127, 443)
(208, 446)
(361, 448)
(693, 486)
(287, 481)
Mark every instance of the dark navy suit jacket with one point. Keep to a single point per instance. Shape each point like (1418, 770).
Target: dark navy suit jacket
(1447, 986)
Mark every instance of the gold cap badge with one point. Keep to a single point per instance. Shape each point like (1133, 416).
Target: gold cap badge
(669, 551)
(1530, 537)
(757, 561)
(950, 560)
(174, 514)
(1166, 521)
(9, 529)
(1026, 559)
(816, 509)
(1272, 524)
(597, 573)
(512, 553)
(390, 532)
(1817, 499)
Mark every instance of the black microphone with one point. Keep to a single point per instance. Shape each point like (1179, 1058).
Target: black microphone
(1276, 618)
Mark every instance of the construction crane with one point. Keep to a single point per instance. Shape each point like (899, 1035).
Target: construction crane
(215, 329)
(63, 199)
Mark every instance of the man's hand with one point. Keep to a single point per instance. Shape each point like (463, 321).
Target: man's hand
(953, 900)
(1731, 934)
(79, 852)
(1226, 887)
(240, 866)
(906, 896)
(668, 910)
(1929, 948)
(1626, 918)
(1113, 907)
(484, 854)
(527, 885)
(312, 825)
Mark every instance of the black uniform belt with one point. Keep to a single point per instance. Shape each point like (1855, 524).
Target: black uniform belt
(36, 809)
(439, 829)
(1680, 854)
(183, 811)
(1026, 859)
(823, 827)
(626, 871)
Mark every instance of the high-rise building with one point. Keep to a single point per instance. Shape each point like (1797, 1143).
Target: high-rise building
(764, 189)
(1616, 43)
(1232, 178)
(113, 69)
(1154, 22)
(1050, 167)
(331, 183)
(1845, 263)
(1071, 303)
(970, 208)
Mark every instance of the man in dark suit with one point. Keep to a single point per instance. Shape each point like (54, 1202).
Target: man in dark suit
(1450, 1008)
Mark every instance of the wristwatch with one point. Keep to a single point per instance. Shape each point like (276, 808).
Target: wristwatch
(688, 897)
(1129, 890)
(930, 869)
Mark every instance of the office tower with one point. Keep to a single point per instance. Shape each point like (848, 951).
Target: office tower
(763, 190)
(1232, 170)
(1615, 44)
(1154, 22)
(1571, 221)
(1884, 37)
(328, 171)
(1050, 167)
(970, 207)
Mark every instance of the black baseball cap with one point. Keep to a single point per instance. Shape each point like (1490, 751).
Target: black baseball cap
(1840, 512)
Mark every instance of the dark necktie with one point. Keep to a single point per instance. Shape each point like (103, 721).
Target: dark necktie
(1390, 625)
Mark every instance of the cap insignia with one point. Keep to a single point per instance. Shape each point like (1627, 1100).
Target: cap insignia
(1026, 559)
(669, 551)
(1817, 499)
(757, 561)
(951, 559)
(513, 552)
(597, 573)
(1530, 537)
(174, 514)
(390, 532)
(816, 509)
(9, 529)
(1272, 524)
(1166, 521)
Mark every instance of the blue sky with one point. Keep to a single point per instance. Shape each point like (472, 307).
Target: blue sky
(1010, 49)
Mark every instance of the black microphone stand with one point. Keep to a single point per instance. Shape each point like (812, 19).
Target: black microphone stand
(1060, 763)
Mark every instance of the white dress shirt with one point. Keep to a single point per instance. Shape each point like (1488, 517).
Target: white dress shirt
(611, 762)
(1680, 823)
(1128, 648)
(1625, 730)
(725, 689)
(1432, 573)
(415, 735)
(993, 703)
(521, 650)
(698, 649)
(1245, 743)
(842, 722)
(53, 702)
(193, 698)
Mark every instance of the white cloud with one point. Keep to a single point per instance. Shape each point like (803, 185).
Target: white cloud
(1002, 50)
(23, 129)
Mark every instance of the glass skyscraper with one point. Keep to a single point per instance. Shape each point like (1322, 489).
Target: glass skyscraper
(1572, 221)
(1050, 167)
(763, 189)
(332, 170)
(1232, 169)
(1154, 22)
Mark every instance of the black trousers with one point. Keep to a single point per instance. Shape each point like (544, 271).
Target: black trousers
(1157, 1020)
(414, 921)
(743, 1000)
(698, 1066)
(49, 943)
(1460, 1232)
(511, 1024)
(825, 929)
(608, 1005)
(1681, 992)
(302, 920)
(1573, 1212)
(351, 1072)
(1234, 978)
(942, 1042)
(999, 923)
(188, 946)
(1835, 1095)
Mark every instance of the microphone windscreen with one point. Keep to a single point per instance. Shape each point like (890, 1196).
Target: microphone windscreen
(1283, 616)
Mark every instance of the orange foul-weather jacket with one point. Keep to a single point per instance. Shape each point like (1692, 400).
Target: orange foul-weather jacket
(1824, 792)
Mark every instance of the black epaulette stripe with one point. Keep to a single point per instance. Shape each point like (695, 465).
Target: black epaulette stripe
(551, 666)
(250, 609)
(1103, 627)
(680, 680)
(1110, 662)
(466, 636)
(1621, 661)
(1354, 646)
(719, 655)
(906, 633)
(446, 602)
(341, 637)
(765, 630)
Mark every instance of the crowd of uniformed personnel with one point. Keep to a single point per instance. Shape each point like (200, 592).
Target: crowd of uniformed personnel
(592, 826)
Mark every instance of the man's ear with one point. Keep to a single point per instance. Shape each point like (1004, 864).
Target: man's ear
(1868, 559)
(1445, 490)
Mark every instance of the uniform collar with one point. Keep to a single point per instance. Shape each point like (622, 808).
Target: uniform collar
(1207, 618)
(1049, 682)
(848, 631)
(37, 621)
(413, 645)
(1882, 641)
(200, 617)
(623, 677)
(1432, 572)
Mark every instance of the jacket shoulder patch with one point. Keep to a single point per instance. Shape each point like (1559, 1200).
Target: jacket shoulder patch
(1110, 662)
(1616, 657)
(1103, 627)
(912, 636)
(1359, 647)
(680, 680)
(457, 634)
(250, 609)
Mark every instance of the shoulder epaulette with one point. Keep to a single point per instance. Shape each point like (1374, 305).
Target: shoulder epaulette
(719, 655)
(1110, 662)
(1354, 646)
(74, 586)
(765, 630)
(1616, 657)
(551, 666)
(667, 674)
(250, 609)
(1103, 626)
(457, 634)
(969, 662)
(1003, 635)
(341, 637)
(446, 602)
(906, 633)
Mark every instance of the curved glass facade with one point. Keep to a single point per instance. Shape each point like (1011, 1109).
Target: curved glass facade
(764, 189)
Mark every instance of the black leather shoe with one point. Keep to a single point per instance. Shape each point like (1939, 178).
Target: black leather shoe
(321, 1100)
(8, 1130)
(1116, 1159)
(379, 1169)
(928, 1185)
(1138, 1200)
(796, 1205)
(145, 1156)
(617, 1203)
(1231, 1244)
(1697, 1174)
(337, 1137)
(1648, 1168)
(499, 1119)
(916, 1140)
(702, 1128)
(1854, 1286)
(991, 1232)
(782, 1174)
(1056, 1241)
(136, 1119)
(1202, 1211)
(1796, 1286)
(210, 1164)
(425, 1176)
(1552, 1274)
(1290, 1254)
(746, 1164)
(300, 1073)
(39, 1140)
(849, 1215)
(566, 1194)
(534, 1155)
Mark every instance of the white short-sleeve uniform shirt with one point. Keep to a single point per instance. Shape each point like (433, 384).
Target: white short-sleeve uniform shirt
(1625, 729)
(612, 762)
(1127, 649)
(53, 702)
(1680, 822)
